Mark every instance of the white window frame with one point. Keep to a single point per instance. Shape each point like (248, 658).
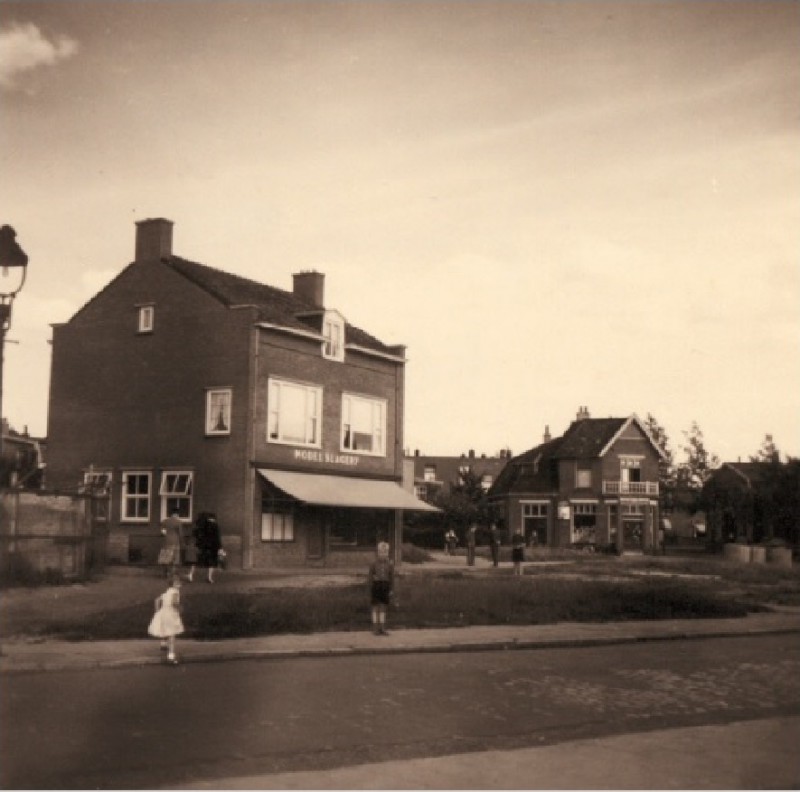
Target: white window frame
(98, 482)
(126, 498)
(278, 391)
(177, 485)
(333, 332)
(277, 527)
(429, 473)
(147, 318)
(377, 432)
(535, 509)
(213, 409)
(487, 479)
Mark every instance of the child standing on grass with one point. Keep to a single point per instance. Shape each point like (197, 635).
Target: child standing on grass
(166, 623)
(381, 586)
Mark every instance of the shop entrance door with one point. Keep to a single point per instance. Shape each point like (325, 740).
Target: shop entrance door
(315, 536)
(632, 533)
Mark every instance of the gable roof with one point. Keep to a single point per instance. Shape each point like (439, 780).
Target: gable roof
(273, 305)
(536, 470)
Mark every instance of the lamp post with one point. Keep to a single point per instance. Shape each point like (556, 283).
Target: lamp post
(12, 257)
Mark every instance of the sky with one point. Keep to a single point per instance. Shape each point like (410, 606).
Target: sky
(551, 204)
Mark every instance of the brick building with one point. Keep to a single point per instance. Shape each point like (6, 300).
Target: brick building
(182, 386)
(436, 475)
(595, 486)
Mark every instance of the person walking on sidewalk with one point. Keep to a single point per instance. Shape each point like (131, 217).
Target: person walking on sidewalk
(471, 542)
(450, 540)
(209, 543)
(494, 544)
(381, 588)
(169, 557)
(518, 552)
(166, 623)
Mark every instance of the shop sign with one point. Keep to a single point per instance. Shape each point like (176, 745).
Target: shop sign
(325, 457)
(563, 510)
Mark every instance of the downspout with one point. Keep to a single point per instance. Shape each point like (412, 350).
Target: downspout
(249, 470)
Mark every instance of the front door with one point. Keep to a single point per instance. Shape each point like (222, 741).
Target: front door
(632, 533)
(315, 536)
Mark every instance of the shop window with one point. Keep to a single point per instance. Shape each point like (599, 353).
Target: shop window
(218, 411)
(277, 526)
(363, 425)
(136, 496)
(295, 412)
(176, 494)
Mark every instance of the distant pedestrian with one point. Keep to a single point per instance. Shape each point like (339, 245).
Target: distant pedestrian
(166, 623)
(209, 543)
(494, 544)
(517, 552)
(450, 542)
(189, 551)
(171, 543)
(381, 588)
(471, 542)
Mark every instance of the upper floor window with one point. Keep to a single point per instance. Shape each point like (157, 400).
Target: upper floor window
(135, 506)
(333, 331)
(218, 411)
(630, 468)
(583, 476)
(534, 509)
(421, 491)
(429, 473)
(363, 425)
(147, 316)
(487, 479)
(294, 413)
(176, 493)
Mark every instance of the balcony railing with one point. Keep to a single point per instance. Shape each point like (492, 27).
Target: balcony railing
(630, 488)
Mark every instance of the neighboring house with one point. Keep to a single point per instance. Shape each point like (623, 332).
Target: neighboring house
(736, 498)
(595, 486)
(179, 386)
(22, 459)
(436, 475)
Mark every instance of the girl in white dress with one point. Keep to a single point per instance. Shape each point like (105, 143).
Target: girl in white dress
(166, 623)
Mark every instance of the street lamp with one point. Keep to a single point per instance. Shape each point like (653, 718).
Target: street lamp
(12, 257)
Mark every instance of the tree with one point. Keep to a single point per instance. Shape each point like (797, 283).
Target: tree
(768, 451)
(666, 466)
(700, 462)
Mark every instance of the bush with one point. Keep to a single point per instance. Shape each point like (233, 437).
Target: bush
(412, 554)
(19, 571)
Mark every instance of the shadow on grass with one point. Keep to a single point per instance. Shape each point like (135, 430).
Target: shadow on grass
(445, 601)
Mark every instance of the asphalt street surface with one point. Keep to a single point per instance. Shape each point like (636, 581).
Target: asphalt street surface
(159, 726)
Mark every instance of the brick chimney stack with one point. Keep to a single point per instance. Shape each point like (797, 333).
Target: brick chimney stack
(153, 239)
(546, 438)
(309, 286)
(583, 412)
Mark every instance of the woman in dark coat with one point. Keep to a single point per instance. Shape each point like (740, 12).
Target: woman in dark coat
(208, 542)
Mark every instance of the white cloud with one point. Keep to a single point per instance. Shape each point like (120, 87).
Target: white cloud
(23, 48)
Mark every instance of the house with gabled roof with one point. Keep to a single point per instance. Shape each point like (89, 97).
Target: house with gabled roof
(595, 486)
(437, 475)
(184, 387)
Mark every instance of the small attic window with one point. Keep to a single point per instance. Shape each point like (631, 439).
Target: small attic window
(147, 315)
(333, 332)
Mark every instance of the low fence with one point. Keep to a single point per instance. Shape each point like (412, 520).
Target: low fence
(43, 533)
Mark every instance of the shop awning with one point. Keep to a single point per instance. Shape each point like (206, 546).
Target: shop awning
(344, 491)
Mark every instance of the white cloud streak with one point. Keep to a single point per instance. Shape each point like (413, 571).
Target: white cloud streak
(23, 48)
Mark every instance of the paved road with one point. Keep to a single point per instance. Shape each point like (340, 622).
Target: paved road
(156, 726)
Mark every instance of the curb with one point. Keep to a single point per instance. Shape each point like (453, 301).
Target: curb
(33, 666)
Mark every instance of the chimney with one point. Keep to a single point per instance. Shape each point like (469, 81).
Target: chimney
(546, 438)
(472, 453)
(153, 239)
(583, 412)
(309, 286)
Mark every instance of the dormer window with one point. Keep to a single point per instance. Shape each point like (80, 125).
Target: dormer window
(333, 332)
(147, 315)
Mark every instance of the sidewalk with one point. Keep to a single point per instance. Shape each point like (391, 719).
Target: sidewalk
(27, 655)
